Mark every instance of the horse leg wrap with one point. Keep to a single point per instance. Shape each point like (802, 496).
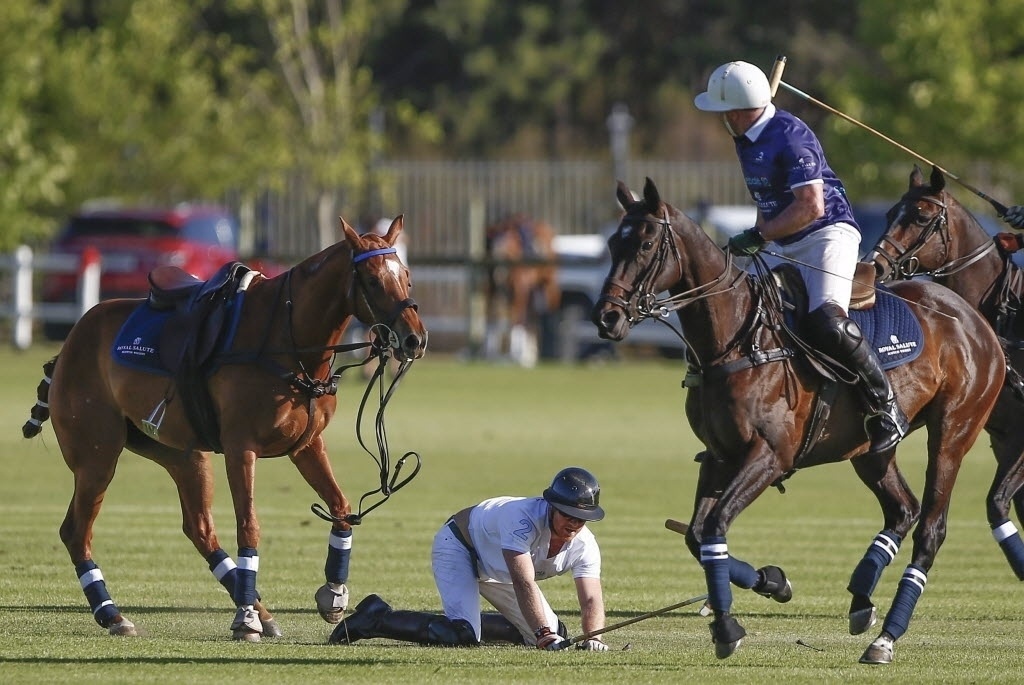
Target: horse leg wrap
(245, 582)
(742, 574)
(1009, 541)
(909, 591)
(714, 557)
(95, 588)
(339, 549)
(879, 554)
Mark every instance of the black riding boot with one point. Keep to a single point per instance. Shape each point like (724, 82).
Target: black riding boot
(496, 628)
(374, 617)
(839, 336)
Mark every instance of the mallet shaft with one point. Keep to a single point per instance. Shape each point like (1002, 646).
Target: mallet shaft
(998, 206)
(635, 619)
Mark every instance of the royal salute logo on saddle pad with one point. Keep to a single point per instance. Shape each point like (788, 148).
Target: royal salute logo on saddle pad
(138, 343)
(892, 328)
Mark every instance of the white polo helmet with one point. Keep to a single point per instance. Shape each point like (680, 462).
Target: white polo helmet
(736, 85)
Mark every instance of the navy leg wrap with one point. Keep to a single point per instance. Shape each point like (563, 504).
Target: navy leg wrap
(880, 554)
(909, 591)
(223, 569)
(714, 557)
(338, 552)
(742, 574)
(1009, 541)
(95, 588)
(245, 580)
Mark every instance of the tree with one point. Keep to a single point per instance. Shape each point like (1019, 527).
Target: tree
(36, 159)
(943, 78)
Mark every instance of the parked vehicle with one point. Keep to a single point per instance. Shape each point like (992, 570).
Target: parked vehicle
(133, 241)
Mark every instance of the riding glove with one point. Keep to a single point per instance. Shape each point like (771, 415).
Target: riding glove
(549, 640)
(1015, 216)
(749, 242)
(592, 645)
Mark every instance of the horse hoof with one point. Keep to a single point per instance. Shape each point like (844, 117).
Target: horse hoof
(331, 603)
(727, 634)
(270, 628)
(123, 628)
(247, 626)
(862, 620)
(879, 652)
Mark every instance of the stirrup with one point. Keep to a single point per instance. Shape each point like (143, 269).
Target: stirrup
(886, 427)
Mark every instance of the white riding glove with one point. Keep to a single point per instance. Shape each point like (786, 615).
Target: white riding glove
(592, 645)
(1015, 216)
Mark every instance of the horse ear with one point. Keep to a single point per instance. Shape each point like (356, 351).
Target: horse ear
(394, 230)
(916, 177)
(351, 235)
(624, 195)
(938, 179)
(651, 195)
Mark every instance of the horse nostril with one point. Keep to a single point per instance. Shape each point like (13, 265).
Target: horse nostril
(609, 318)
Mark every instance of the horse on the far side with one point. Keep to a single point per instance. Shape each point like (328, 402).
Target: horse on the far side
(522, 285)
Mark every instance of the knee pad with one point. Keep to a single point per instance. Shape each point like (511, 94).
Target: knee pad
(830, 329)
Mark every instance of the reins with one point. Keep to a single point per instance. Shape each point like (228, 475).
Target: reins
(387, 486)
(314, 388)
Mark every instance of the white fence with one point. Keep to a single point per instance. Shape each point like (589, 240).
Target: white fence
(23, 309)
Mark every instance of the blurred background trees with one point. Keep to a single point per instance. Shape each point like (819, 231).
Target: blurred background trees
(164, 100)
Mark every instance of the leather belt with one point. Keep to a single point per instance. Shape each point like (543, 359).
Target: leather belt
(458, 524)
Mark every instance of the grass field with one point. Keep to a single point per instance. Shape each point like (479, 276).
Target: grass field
(486, 430)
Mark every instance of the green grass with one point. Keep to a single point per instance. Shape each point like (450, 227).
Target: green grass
(485, 430)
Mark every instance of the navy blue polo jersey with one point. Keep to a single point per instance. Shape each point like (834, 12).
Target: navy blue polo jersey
(787, 154)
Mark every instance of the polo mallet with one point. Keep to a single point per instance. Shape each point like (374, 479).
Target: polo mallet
(681, 528)
(998, 206)
(630, 621)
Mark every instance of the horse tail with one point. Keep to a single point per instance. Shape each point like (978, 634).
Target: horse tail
(41, 410)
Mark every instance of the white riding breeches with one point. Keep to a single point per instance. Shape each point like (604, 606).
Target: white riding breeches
(456, 578)
(827, 260)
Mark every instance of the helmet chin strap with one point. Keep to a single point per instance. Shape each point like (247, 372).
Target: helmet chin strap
(728, 126)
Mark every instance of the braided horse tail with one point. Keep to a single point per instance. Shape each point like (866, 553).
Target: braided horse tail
(41, 410)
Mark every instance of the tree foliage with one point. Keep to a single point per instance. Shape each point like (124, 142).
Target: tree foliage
(161, 100)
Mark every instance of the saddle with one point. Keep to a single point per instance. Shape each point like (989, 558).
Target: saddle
(190, 337)
(862, 298)
(200, 313)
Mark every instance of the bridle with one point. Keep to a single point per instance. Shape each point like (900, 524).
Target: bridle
(640, 300)
(904, 263)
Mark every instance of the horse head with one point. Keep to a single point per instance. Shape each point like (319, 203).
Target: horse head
(928, 232)
(656, 248)
(379, 291)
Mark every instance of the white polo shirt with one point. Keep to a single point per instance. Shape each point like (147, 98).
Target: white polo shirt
(520, 524)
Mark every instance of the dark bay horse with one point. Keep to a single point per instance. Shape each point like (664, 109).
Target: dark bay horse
(522, 284)
(756, 403)
(271, 393)
(931, 234)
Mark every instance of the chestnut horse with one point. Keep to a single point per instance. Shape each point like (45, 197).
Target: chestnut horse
(522, 284)
(931, 234)
(271, 393)
(756, 405)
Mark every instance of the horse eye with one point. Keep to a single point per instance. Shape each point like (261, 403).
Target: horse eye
(648, 244)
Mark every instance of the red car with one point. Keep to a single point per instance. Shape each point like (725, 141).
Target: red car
(131, 242)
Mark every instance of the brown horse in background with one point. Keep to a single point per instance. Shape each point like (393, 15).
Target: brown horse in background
(756, 403)
(931, 234)
(522, 285)
(272, 392)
